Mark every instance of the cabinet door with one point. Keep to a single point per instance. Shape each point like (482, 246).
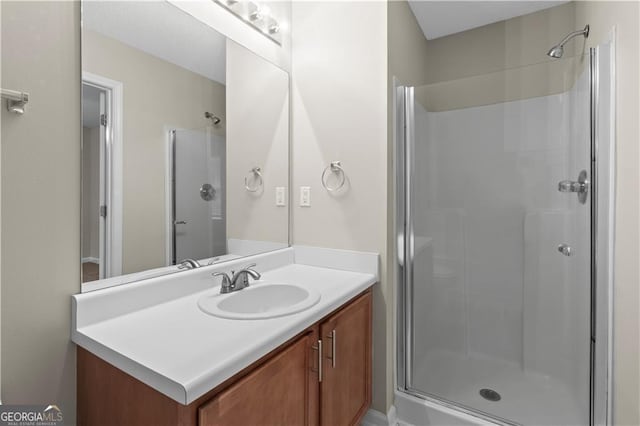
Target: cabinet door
(345, 391)
(276, 393)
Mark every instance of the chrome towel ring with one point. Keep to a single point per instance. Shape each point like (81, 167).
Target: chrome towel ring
(257, 177)
(334, 167)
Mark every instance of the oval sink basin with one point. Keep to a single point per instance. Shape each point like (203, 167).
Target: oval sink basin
(259, 301)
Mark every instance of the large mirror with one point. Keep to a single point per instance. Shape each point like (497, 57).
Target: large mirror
(185, 147)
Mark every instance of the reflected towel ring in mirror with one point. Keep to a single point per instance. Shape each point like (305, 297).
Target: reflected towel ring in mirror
(257, 177)
(334, 167)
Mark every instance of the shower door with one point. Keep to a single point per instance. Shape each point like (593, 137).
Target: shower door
(199, 226)
(495, 195)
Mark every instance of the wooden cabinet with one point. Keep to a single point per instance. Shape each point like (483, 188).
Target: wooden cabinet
(276, 393)
(320, 377)
(346, 383)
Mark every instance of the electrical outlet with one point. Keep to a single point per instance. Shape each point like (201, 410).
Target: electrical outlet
(305, 196)
(280, 200)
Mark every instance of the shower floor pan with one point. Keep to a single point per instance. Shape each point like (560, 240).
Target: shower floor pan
(525, 398)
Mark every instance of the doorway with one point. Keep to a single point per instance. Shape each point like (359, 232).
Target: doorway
(101, 207)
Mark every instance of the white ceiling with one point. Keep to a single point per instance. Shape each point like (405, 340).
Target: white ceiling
(162, 30)
(441, 18)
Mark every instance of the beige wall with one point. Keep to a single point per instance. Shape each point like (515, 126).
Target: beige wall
(158, 96)
(339, 66)
(543, 79)
(602, 17)
(258, 135)
(484, 65)
(407, 50)
(90, 192)
(501, 62)
(40, 202)
(520, 41)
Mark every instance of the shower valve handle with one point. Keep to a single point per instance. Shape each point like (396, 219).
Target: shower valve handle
(581, 187)
(572, 186)
(565, 249)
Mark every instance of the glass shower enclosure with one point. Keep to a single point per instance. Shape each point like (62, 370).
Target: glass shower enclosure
(495, 211)
(198, 200)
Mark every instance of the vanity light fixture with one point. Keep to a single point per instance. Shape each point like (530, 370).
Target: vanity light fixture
(257, 15)
(272, 26)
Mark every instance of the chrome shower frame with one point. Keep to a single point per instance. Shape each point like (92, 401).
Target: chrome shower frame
(599, 413)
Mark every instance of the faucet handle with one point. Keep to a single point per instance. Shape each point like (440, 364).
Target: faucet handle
(226, 285)
(213, 260)
(188, 264)
(240, 279)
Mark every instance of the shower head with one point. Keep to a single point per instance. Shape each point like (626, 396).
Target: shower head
(216, 120)
(558, 50)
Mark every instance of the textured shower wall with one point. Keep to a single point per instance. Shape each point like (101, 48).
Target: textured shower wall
(489, 212)
(519, 41)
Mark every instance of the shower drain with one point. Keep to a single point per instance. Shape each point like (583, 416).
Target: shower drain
(490, 395)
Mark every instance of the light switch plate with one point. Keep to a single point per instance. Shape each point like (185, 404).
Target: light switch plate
(280, 200)
(305, 196)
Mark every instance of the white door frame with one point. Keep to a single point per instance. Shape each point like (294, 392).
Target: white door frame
(104, 258)
(113, 171)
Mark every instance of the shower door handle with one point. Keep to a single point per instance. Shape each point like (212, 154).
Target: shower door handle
(180, 222)
(581, 187)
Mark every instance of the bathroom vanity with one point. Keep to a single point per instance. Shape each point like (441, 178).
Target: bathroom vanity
(150, 354)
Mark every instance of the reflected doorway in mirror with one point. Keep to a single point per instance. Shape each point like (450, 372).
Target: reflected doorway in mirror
(101, 210)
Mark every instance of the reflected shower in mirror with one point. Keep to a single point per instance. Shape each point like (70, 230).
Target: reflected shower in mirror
(185, 144)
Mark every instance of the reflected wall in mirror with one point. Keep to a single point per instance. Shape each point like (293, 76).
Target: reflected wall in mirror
(185, 143)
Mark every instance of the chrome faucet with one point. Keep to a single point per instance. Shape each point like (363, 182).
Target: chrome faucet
(238, 280)
(189, 264)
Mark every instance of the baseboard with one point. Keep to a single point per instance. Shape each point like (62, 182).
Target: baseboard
(376, 418)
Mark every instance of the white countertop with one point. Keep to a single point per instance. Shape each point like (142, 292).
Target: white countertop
(157, 334)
